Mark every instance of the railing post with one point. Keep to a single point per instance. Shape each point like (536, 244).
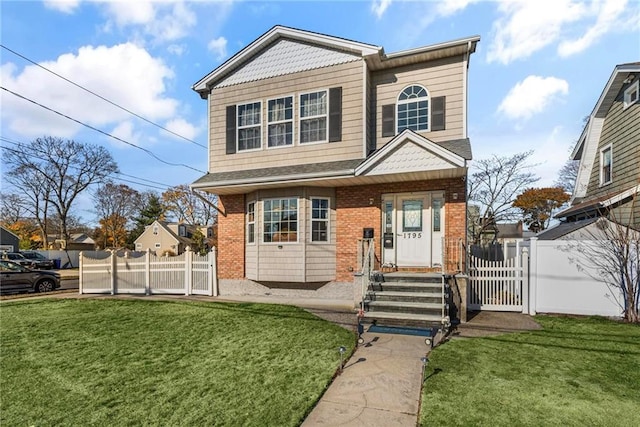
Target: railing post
(80, 271)
(113, 273)
(533, 275)
(213, 273)
(188, 267)
(525, 280)
(147, 272)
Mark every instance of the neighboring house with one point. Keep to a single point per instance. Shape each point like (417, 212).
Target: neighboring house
(168, 237)
(317, 141)
(76, 242)
(608, 178)
(9, 242)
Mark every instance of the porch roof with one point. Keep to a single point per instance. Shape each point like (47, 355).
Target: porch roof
(346, 172)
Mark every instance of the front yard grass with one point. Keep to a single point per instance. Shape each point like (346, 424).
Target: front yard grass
(114, 362)
(580, 372)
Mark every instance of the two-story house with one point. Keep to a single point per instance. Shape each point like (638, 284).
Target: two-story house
(317, 141)
(608, 181)
(170, 238)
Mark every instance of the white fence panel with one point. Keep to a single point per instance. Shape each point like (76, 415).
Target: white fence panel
(185, 274)
(558, 286)
(496, 285)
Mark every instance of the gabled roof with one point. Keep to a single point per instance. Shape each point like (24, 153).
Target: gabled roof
(374, 55)
(586, 148)
(596, 203)
(564, 228)
(6, 230)
(424, 153)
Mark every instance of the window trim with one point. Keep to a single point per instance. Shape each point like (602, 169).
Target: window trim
(262, 233)
(293, 121)
(633, 87)
(248, 223)
(325, 115)
(609, 148)
(157, 245)
(238, 127)
(409, 101)
(328, 220)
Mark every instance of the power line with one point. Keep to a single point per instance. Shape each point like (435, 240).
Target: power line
(151, 153)
(102, 97)
(162, 186)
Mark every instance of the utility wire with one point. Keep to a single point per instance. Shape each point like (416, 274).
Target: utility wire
(102, 97)
(151, 153)
(163, 186)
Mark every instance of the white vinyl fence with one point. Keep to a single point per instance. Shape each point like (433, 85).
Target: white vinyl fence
(145, 273)
(544, 278)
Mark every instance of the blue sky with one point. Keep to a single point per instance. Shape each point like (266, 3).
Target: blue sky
(538, 71)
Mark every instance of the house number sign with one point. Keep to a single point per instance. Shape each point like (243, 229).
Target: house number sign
(412, 235)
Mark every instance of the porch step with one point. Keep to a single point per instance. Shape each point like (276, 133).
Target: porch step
(411, 277)
(418, 308)
(402, 319)
(428, 297)
(414, 287)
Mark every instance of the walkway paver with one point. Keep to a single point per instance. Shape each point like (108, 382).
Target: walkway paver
(379, 386)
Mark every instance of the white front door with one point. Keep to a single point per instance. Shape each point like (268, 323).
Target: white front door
(413, 227)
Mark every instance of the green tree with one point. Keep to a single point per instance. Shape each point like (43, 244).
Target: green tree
(537, 205)
(152, 210)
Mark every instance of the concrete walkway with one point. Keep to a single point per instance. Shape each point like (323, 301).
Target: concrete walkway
(380, 385)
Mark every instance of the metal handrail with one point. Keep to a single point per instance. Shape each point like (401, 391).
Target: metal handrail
(366, 268)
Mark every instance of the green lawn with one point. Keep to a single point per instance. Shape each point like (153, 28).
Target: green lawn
(579, 372)
(114, 362)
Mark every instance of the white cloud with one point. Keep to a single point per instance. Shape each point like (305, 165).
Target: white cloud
(531, 96)
(126, 131)
(177, 49)
(218, 47)
(450, 7)
(379, 7)
(163, 20)
(608, 13)
(528, 26)
(182, 127)
(64, 6)
(125, 74)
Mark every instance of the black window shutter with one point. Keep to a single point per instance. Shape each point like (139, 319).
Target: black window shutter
(437, 113)
(335, 114)
(388, 120)
(231, 129)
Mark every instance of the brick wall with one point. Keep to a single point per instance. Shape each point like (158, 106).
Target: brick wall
(231, 237)
(358, 207)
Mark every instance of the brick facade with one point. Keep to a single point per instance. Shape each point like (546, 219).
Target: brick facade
(231, 237)
(358, 207)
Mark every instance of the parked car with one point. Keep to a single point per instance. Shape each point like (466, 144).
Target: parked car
(17, 258)
(40, 261)
(15, 277)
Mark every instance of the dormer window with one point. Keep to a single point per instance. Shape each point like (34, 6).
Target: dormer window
(606, 165)
(413, 109)
(182, 230)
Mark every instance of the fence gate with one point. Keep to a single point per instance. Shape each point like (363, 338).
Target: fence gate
(500, 285)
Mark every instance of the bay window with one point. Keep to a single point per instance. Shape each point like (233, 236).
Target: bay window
(319, 220)
(280, 220)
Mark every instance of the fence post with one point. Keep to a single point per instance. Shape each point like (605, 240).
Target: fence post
(113, 273)
(525, 280)
(533, 276)
(147, 272)
(81, 270)
(213, 273)
(188, 267)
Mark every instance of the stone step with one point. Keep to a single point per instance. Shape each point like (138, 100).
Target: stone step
(429, 296)
(402, 319)
(409, 277)
(405, 287)
(403, 307)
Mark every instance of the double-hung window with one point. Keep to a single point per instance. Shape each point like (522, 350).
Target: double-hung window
(413, 109)
(319, 220)
(251, 222)
(249, 126)
(313, 116)
(280, 220)
(606, 165)
(280, 122)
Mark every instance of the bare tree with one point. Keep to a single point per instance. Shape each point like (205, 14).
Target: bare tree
(62, 168)
(116, 204)
(494, 185)
(613, 257)
(184, 205)
(11, 208)
(567, 176)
